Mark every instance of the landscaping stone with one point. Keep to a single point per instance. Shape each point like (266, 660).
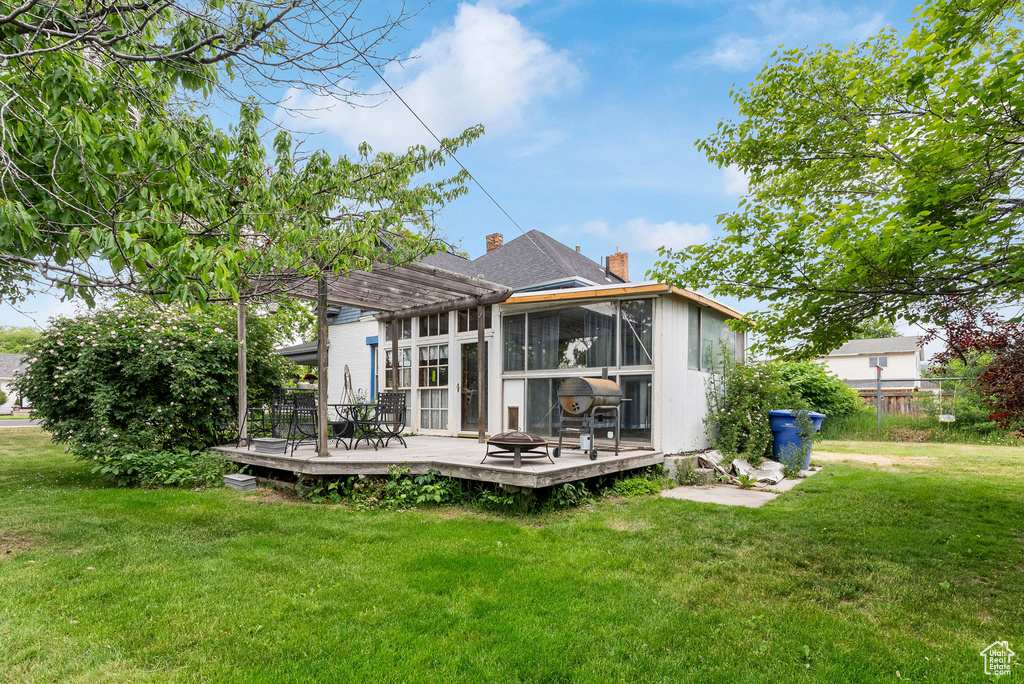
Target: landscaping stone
(675, 464)
(240, 482)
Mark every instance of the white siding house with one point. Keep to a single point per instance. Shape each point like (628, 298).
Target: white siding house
(657, 342)
(10, 365)
(569, 317)
(900, 358)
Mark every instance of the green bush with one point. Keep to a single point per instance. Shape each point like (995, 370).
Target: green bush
(164, 468)
(3, 397)
(138, 378)
(821, 390)
(739, 399)
(635, 486)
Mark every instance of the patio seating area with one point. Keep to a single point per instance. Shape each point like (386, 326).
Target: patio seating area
(451, 456)
(293, 416)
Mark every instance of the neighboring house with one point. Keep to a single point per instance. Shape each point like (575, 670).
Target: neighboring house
(569, 316)
(899, 357)
(10, 365)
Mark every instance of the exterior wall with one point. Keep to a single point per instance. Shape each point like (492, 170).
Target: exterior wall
(681, 403)
(900, 365)
(8, 407)
(348, 346)
(454, 340)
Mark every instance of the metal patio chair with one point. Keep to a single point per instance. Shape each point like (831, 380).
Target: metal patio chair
(303, 428)
(389, 420)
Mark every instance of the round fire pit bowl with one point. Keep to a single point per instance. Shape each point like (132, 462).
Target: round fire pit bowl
(517, 446)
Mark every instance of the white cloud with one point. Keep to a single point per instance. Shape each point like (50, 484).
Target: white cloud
(643, 235)
(486, 67)
(791, 23)
(736, 52)
(734, 181)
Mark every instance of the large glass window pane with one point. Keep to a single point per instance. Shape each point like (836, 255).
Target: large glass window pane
(404, 368)
(637, 330)
(542, 412)
(467, 319)
(635, 414)
(693, 338)
(716, 340)
(433, 365)
(515, 342)
(433, 325)
(574, 337)
(434, 409)
(404, 329)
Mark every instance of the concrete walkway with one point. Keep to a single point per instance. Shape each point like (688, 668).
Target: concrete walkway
(18, 422)
(718, 494)
(727, 495)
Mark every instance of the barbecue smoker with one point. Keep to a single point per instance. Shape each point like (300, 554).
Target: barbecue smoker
(588, 405)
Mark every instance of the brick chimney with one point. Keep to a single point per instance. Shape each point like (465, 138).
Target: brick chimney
(618, 264)
(494, 241)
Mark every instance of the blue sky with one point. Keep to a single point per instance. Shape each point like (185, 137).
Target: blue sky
(591, 111)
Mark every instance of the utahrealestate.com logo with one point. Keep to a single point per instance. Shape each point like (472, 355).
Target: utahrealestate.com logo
(998, 658)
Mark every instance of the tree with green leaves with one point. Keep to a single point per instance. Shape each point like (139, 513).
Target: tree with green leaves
(883, 177)
(874, 328)
(15, 340)
(112, 180)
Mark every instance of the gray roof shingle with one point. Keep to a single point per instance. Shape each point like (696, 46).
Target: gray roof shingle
(878, 345)
(531, 259)
(10, 363)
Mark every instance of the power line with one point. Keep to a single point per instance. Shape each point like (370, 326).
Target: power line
(450, 153)
(434, 136)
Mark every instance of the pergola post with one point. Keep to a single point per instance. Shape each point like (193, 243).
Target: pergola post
(243, 381)
(481, 375)
(394, 354)
(321, 368)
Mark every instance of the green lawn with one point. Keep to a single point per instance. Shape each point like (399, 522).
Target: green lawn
(863, 573)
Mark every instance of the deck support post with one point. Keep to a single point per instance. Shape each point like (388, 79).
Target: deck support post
(243, 381)
(481, 375)
(321, 368)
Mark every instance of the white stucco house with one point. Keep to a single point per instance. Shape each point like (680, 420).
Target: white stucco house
(10, 365)
(900, 359)
(569, 316)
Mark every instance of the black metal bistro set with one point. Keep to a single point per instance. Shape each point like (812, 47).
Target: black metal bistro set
(292, 419)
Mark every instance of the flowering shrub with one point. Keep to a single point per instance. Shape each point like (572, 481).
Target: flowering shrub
(139, 378)
(739, 399)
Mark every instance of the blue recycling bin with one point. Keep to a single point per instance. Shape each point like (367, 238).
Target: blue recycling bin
(786, 433)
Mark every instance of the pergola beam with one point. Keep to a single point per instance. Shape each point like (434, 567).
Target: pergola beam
(395, 292)
(440, 307)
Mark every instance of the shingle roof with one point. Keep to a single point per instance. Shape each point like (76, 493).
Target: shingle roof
(10, 363)
(530, 259)
(879, 345)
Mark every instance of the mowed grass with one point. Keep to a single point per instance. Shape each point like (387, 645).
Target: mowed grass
(863, 573)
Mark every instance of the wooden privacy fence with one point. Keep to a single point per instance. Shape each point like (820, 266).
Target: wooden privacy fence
(893, 401)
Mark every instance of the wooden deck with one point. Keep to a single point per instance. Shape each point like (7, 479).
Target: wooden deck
(451, 456)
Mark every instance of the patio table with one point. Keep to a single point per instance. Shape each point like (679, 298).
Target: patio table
(362, 418)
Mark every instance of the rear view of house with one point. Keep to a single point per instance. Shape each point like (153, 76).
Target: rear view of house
(569, 316)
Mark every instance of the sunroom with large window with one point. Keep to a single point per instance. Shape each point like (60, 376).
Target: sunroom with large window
(541, 348)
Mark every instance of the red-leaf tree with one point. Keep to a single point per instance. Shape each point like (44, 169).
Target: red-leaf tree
(970, 333)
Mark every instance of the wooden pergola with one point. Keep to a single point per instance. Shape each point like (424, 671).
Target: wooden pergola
(394, 292)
